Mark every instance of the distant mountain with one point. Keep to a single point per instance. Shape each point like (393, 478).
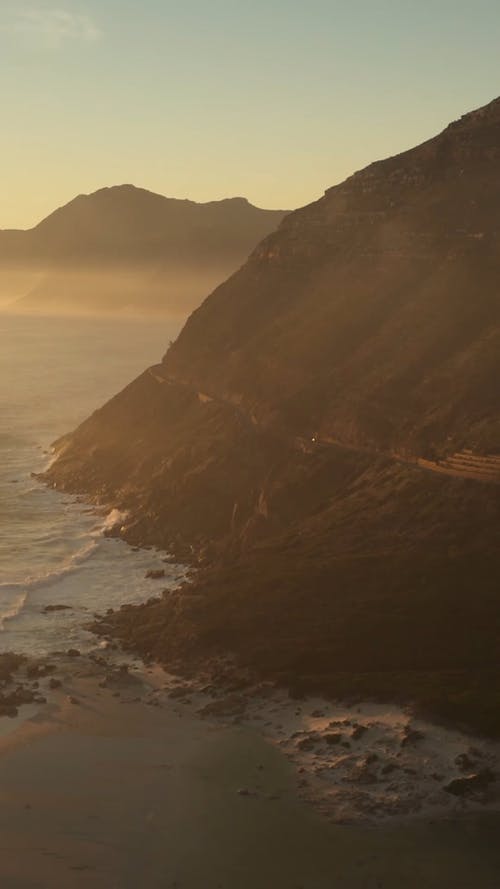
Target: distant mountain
(127, 249)
(324, 435)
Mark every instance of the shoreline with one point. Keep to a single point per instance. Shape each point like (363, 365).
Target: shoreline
(363, 762)
(453, 697)
(129, 776)
(357, 764)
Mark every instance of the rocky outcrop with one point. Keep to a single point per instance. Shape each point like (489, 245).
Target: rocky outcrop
(476, 783)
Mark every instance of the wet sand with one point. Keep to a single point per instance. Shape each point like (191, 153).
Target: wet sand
(113, 792)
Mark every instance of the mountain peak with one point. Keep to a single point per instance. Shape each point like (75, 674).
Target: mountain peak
(464, 145)
(172, 251)
(488, 112)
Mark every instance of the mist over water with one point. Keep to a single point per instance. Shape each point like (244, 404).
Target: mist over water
(53, 373)
(113, 290)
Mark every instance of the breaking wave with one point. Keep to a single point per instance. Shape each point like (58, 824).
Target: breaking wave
(114, 519)
(15, 596)
(13, 609)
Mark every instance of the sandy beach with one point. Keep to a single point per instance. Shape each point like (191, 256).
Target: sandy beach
(128, 777)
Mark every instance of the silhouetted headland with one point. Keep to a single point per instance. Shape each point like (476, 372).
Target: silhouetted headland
(125, 249)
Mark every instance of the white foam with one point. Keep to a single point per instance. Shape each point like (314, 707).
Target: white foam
(24, 587)
(51, 459)
(51, 548)
(114, 519)
(13, 610)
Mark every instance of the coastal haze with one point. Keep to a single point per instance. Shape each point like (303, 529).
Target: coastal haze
(127, 251)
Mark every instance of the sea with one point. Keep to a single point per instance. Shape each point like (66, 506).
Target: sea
(53, 550)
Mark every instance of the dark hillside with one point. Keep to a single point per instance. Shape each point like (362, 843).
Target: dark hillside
(323, 439)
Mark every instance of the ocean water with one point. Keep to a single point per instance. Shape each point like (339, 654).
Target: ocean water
(53, 373)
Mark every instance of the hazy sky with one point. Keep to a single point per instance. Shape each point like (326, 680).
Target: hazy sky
(272, 99)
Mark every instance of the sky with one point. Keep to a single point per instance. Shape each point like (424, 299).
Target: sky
(274, 100)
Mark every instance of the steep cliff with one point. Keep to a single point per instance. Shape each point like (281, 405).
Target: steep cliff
(324, 436)
(371, 316)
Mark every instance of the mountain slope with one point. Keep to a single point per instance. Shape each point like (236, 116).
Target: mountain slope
(301, 438)
(127, 248)
(372, 316)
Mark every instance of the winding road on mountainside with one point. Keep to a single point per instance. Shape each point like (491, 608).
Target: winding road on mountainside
(463, 464)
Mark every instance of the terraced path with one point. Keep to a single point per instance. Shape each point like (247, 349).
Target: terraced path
(463, 464)
(467, 464)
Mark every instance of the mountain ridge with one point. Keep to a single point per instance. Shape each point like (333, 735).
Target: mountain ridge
(430, 240)
(125, 247)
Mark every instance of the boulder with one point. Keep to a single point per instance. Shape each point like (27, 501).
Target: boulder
(155, 574)
(333, 738)
(464, 762)
(358, 732)
(182, 691)
(38, 670)
(232, 705)
(476, 783)
(309, 742)
(411, 736)
(8, 710)
(49, 609)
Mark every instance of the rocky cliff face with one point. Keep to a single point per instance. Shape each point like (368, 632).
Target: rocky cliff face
(125, 248)
(310, 438)
(373, 315)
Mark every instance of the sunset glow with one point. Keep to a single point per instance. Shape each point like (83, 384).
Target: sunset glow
(276, 101)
